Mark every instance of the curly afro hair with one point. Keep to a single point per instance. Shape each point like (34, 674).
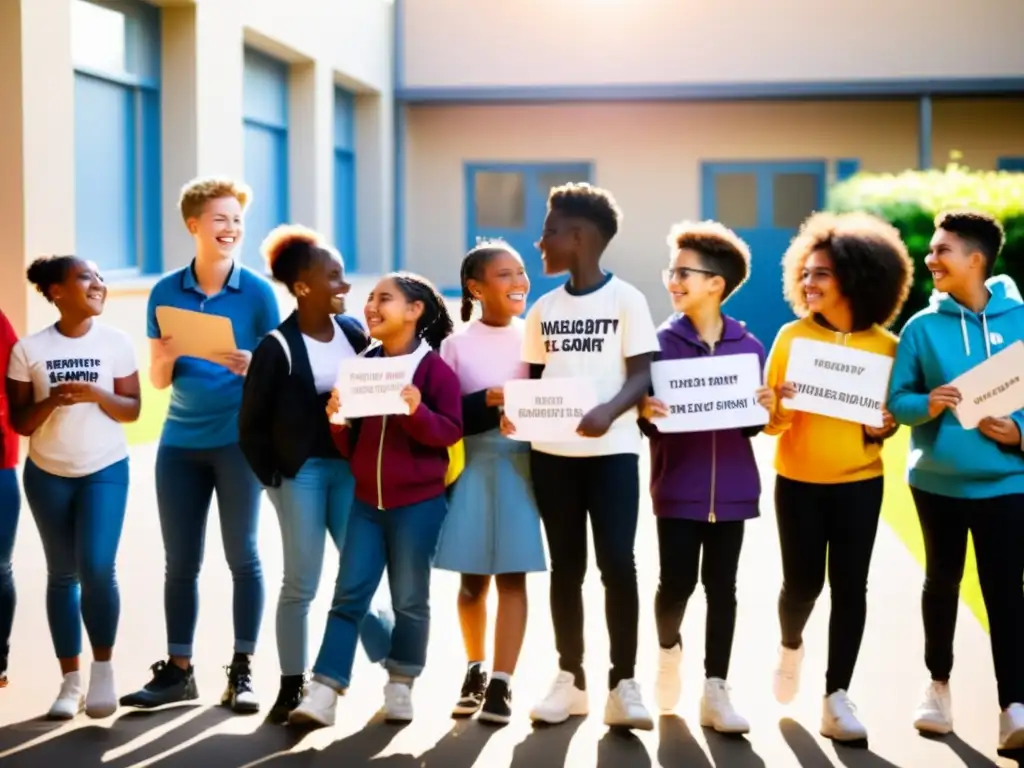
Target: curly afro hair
(721, 250)
(590, 203)
(869, 261)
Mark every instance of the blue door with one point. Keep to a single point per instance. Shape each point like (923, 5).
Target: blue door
(764, 203)
(510, 201)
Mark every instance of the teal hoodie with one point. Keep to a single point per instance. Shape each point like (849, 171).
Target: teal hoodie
(938, 344)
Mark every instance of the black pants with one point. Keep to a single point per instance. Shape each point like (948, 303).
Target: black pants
(680, 543)
(997, 527)
(608, 488)
(836, 524)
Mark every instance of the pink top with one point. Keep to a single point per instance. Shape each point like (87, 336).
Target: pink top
(484, 356)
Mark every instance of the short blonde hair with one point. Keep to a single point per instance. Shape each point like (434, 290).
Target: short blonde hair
(198, 192)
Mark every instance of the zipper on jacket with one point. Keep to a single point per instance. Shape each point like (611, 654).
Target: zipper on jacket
(380, 462)
(714, 471)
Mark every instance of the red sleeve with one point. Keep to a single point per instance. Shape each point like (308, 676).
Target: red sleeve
(8, 437)
(437, 422)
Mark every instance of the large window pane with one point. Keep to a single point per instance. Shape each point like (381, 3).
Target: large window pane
(794, 197)
(498, 198)
(736, 200)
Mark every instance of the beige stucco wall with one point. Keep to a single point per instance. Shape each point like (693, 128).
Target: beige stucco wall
(347, 42)
(600, 42)
(650, 155)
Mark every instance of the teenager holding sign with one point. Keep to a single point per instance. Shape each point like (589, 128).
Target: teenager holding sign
(599, 327)
(399, 463)
(703, 484)
(287, 439)
(846, 277)
(71, 387)
(492, 528)
(965, 479)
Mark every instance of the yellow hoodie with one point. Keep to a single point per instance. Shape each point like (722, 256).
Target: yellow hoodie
(821, 449)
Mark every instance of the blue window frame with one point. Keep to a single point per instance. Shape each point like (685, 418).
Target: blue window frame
(345, 178)
(764, 203)
(116, 55)
(510, 201)
(1010, 164)
(847, 167)
(265, 118)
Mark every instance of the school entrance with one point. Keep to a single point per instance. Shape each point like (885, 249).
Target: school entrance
(764, 203)
(510, 201)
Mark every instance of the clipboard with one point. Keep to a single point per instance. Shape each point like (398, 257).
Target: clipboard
(196, 334)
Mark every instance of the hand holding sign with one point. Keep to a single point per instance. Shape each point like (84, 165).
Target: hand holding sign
(412, 397)
(941, 398)
(765, 397)
(596, 422)
(652, 408)
(1004, 431)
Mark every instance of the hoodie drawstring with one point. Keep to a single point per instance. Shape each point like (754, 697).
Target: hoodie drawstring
(984, 333)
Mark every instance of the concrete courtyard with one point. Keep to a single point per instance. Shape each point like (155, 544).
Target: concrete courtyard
(888, 680)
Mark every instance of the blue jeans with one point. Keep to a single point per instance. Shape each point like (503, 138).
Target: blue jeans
(80, 521)
(10, 506)
(403, 540)
(186, 479)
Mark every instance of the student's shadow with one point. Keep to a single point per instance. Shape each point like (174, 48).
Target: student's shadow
(810, 755)
(546, 746)
(620, 748)
(85, 747)
(459, 748)
(968, 755)
(678, 747)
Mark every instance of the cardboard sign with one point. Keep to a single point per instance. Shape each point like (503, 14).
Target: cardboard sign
(371, 386)
(548, 410)
(992, 388)
(196, 334)
(708, 393)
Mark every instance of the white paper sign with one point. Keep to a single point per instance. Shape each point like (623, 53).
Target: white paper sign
(708, 393)
(992, 388)
(370, 386)
(548, 410)
(837, 381)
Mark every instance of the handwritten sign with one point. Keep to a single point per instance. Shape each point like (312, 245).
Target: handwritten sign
(548, 410)
(992, 388)
(708, 393)
(370, 386)
(837, 381)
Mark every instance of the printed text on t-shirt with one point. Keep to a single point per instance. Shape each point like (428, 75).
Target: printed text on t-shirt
(582, 335)
(68, 369)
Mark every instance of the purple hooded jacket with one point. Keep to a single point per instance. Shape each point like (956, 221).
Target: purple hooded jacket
(708, 476)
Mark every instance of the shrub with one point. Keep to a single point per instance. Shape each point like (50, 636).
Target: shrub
(910, 200)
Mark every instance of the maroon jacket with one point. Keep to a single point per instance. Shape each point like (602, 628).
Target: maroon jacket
(8, 437)
(408, 463)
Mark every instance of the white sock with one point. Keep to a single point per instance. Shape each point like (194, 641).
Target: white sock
(503, 676)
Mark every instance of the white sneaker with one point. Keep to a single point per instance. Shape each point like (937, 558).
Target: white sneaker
(101, 700)
(669, 685)
(935, 712)
(398, 703)
(70, 700)
(625, 707)
(716, 709)
(319, 706)
(787, 674)
(1011, 727)
(838, 721)
(563, 700)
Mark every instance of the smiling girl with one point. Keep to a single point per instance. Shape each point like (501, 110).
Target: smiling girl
(492, 528)
(71, 386)
(399, 463)
(846, 277)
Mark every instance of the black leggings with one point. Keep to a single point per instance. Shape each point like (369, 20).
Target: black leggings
(680, 543)
(607, 489)
(997, 527)
(835, 523)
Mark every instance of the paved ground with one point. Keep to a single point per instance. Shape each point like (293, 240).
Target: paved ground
(886, 687)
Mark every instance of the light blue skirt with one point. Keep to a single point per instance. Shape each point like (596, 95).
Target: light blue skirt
(492, 525)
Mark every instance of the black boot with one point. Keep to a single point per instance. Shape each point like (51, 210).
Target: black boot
(292, 689)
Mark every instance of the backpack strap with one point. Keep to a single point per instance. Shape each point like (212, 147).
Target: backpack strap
(284, 345)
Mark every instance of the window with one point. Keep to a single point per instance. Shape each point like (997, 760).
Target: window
(794, 196)
(116, 54)
(1011, 164)
(499, 199)
(265, 113)
(345, 178)
(736, 199)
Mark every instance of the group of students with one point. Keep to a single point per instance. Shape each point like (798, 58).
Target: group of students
(382, 488)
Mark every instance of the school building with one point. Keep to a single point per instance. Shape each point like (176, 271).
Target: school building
(407, 129)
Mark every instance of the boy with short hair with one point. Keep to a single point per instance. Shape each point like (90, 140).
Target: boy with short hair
(595, 326)
(703, 484)
(199, 453)
(965, 479)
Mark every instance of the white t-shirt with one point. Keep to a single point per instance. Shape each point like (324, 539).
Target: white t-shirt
(590, 335)
(325, 357)
(76, 440)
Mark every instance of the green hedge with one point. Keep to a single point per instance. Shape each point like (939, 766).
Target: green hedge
(910, 200)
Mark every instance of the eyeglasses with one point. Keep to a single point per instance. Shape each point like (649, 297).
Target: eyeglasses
(679, 274)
